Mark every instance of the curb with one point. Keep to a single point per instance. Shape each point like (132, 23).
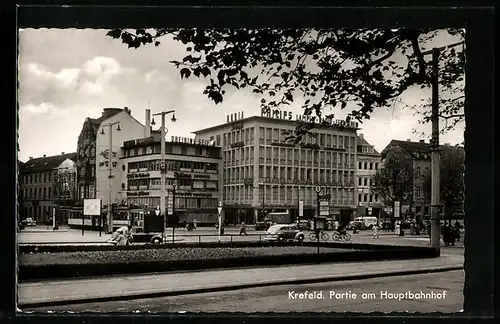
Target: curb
(192, 291)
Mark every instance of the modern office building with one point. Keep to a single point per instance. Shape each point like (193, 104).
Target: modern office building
(192, 166)
(368, 162)
(44, 183)
(263, 172)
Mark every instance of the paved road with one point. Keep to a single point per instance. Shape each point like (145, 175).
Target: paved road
(277, 298)
(72, 236)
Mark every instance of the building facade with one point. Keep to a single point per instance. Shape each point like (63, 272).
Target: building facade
(93, 153)
(419, 201)
(368, 162)
(45, 183)
(263, 172)
(194, 167)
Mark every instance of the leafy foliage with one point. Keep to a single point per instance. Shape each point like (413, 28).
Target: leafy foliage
(326, 68)
(394, 181)
(452, 179)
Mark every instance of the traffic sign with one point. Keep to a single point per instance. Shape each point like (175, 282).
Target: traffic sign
(317, 189)
(301, 208)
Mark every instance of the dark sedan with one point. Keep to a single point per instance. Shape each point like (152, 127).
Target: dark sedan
(356, 225)
(138, 236)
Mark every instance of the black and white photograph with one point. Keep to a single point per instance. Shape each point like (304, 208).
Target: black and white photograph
(179, 170)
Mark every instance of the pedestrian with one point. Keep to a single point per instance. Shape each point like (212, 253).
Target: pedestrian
(397, 228)
(195, 223)
(243, 229)
(375, 231)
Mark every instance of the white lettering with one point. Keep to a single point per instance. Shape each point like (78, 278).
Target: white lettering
(309, 295)
(343, 295)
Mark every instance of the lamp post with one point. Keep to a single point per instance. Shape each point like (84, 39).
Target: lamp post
(110, 168)
(174, 186)
(163, 168)
(435, 150)
(263, 197)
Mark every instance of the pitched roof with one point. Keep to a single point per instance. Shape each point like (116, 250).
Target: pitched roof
(362, 141)
(409, 147)
(46, 163)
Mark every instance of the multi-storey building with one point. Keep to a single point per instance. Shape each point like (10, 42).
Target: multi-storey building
(93, 153)
(263, 172)
(194, 167)
(369, 161)
(421, 164)
(45, 183)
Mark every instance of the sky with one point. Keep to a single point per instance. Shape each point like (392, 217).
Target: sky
(66, 75)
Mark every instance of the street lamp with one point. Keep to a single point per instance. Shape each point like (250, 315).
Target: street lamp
(110, 168)
(163, 168)
(435, 154)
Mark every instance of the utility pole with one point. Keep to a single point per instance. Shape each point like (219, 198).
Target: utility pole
(163, 168)
(435, 149)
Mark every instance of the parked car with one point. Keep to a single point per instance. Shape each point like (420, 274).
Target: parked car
(358, 225)
(283, 232)
(304, 225)
(30, 222)
(138, 236)
(263, 226)
(387, 226)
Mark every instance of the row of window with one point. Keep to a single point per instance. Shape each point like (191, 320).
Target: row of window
(37, 193)
(286, 195)
(365, 181)
(173, 149)
(366, 149)
(180, 202)
(172, 165)
(155, 184)
(288, 173)
(36, 178)
(269, 135)
(368, 165)
(367, 198)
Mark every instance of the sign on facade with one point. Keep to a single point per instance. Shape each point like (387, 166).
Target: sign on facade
(301, 208)
(324, 208)
(92, 207)
(397, 209)
(369, 211)
(170, 205)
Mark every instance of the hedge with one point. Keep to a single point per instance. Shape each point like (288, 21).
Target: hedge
(27, 249)
(105, 263)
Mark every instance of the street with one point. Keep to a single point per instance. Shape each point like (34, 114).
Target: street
(41, 235)
(281, 298)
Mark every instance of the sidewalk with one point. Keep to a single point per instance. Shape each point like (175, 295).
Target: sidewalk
(62, 292)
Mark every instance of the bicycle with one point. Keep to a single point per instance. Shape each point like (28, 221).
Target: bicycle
(324, 236)
(337, 236)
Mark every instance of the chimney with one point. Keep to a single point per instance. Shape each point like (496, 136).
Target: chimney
(128, 111)
(44, 155)
(422, 141)
(232, 117)
(227, 116)
(408, 140)
(62, 153)
(147, 132)
(361, 136)
(242, 115)
(31, 158)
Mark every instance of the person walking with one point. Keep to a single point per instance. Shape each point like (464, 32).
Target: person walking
(375, 231)
(243, 229)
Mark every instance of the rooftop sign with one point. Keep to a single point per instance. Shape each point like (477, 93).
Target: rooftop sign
(288, 115)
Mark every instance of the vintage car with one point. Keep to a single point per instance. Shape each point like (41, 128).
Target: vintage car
(284, 232)
(263, 225)
(137, 235)
(356, 225)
